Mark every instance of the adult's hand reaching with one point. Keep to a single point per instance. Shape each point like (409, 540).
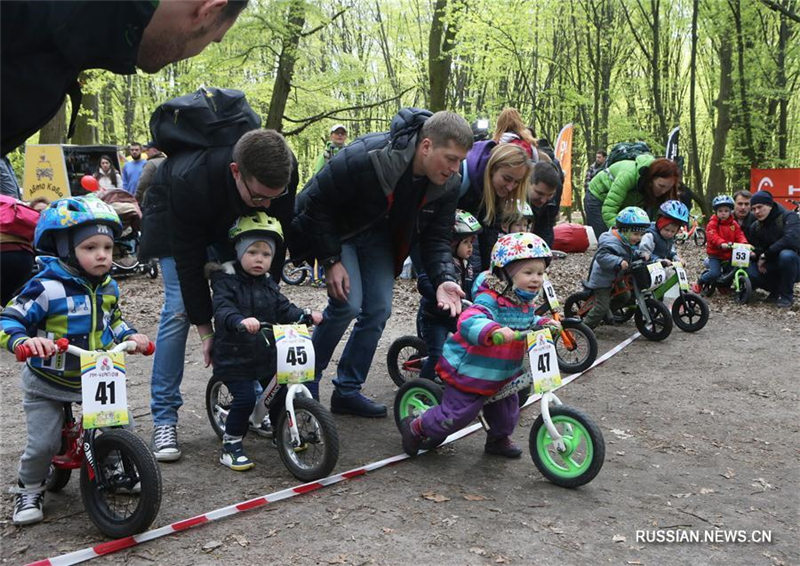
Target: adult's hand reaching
(337, 281)
(448, 297)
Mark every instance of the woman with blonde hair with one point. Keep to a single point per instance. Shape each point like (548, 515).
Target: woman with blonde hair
(511, 129)
(495, 179)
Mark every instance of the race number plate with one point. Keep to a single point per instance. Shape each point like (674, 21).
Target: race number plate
(105, 399)
(544, 363)
(740, 256)
(657, 274)
(295, 353)
(550, 293)
(683, 280)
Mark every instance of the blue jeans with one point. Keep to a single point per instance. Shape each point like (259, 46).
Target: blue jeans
(173, 329)
(370, 266)
(781, 275)
(244, 399)
(714, 265)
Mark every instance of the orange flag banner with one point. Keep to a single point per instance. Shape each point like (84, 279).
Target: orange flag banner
(564, 156)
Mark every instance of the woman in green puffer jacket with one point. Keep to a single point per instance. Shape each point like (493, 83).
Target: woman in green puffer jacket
(645, 182)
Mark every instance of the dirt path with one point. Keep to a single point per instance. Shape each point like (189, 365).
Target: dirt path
(701, 433)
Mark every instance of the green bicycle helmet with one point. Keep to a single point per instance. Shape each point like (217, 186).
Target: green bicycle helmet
(257, 223)
(466, 225)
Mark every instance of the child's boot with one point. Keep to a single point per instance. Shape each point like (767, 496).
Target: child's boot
(502, 446)
(233, 455)
(411, 432)
(29, 504)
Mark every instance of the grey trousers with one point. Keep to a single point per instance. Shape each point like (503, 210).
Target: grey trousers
(594, 213)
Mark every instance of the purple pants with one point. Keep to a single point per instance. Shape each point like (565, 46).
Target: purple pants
(460, 408)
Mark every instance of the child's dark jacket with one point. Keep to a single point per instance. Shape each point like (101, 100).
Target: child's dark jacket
(241, 356)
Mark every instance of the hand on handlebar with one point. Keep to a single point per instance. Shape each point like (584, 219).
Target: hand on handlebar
(624, 265)
(504, 335)
(252, 325)
(551, 323)
(39, 347)
(143, 344)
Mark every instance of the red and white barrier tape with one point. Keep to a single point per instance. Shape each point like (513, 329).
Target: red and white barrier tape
(113, 546)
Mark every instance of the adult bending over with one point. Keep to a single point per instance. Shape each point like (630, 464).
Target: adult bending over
(645, 182)
(359, 216)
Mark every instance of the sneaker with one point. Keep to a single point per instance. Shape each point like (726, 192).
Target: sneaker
(121, 480)
(29, 504)
(165, 443)
(234, 457)
(411, 440)
(771, 298)
(357, 405)
(264, 429)
(784, 302)
(502, 446)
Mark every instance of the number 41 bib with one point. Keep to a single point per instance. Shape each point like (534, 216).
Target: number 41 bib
(105, 399)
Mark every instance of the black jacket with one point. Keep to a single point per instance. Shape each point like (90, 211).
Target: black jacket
(354, 191)
(237, 295)
(46, 45)
(780, 230)
(190, 207)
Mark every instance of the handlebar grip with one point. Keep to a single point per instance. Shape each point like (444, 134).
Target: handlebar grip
(150, 350)
(23, 352)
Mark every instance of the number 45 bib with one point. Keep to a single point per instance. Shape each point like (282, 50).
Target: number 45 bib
(295, 353)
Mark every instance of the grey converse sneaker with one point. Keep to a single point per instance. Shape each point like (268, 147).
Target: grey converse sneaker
(29, 504)
(165, 443)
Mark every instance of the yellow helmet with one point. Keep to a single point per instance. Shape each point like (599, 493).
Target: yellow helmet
(256, 223)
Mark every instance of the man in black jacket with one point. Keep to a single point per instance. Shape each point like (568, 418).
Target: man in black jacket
(192, 203)
(775, 236)
(359, 216)
(47, 44)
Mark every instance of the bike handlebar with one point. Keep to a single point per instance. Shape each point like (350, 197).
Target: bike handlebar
(23, 351)
(305, 320)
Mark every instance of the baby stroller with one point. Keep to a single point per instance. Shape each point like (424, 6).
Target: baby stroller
(126, 247)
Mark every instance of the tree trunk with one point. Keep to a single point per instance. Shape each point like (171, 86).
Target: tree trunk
(716, 173)
(784, 33)
(107, 134)
(55, 131)
(694, 157)
(86, 122)
(440, 44)
(749, 149)
(286, 61)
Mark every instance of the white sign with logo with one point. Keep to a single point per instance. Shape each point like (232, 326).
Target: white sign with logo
(103, 390)
(295, 353)
(740, 256)
(544, 361)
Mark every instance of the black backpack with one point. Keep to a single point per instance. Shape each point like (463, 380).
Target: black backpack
(209, 117)
(627, 151)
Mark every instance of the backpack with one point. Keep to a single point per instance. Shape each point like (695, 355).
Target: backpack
(209, 117)
(17, 219)
(626, 151)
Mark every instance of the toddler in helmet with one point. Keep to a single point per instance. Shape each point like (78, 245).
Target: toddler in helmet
(616, 249)
(472, 366)
(722, 232)
(72, 296)
(245, 294)
(519, 219)
(433, 323)
(658, 243)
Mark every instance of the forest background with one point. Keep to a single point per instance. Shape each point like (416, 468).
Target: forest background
(726, 71)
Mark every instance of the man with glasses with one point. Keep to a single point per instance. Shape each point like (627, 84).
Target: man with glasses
(207, 191)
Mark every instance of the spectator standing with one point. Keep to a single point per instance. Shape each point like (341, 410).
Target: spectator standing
(338, 139)
(360, 216)
(154, 158)
(107, 177)
(132, 170)
(8, 180)
(597, 166)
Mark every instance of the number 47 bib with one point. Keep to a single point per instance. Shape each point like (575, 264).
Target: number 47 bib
(105, 399)
(295, 353)
(544, 363)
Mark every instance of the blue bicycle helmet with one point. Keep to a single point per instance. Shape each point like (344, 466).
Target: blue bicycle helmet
(722, 200)
(633, 219)
(64, 215)
(675, 210)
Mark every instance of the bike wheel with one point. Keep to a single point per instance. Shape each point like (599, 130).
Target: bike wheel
(318, 451)
(415, 397)
(57, 478)
(405, 358)
(661, 320)
(699, 237)
(745, 291)
(621, 315)
(585, 447)
(129, 497)
(576, 351)
(218, 404)
(690, 312)
(292, 274)
(577, 305)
